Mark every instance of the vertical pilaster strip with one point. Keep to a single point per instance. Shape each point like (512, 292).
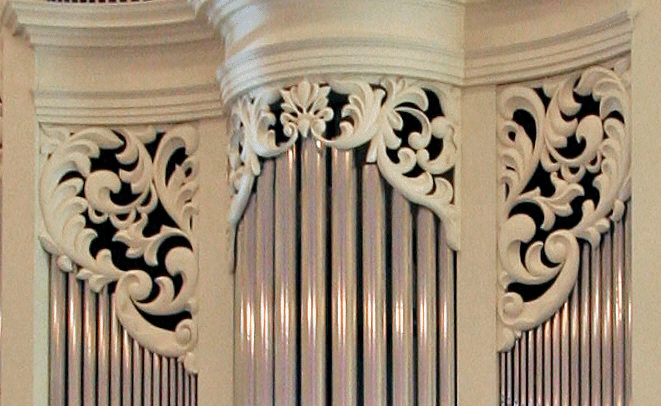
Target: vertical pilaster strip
(477, 380)
(285, 279)
(644, 255)
(24, 281)
(374, 288)
(344, 278)
(313, 274)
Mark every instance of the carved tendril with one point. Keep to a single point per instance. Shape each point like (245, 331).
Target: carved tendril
(148, 203)
(374, 113)
(565, 170)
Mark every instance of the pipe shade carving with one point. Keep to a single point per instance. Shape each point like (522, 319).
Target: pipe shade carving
(565, 162)
(118, 207)
(411, 128)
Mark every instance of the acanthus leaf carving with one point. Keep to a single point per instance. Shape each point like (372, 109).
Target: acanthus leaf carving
(100, 178)
(565, 170)
(373, 113)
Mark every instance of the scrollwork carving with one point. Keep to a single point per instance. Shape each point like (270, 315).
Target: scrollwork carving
(118, 208)
(565, 152)
(411, 127)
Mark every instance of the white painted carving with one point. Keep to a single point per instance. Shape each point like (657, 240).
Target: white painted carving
(533, 248)
(305, 110)
(75, 196)
(374, 112)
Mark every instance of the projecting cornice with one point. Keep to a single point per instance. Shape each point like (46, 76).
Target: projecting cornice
(518, 40)
(105, 24)
(456, 42)
(276, 41)
(119, 63)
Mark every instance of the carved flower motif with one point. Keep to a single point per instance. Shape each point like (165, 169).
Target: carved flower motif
(374, 113)
(305, 109)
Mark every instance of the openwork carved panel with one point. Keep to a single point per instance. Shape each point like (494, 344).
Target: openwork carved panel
(411, 129)
(118, 207)
(565, 151)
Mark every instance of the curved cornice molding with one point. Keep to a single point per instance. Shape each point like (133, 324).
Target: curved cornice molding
(464, 43)
(282, 41)
(545, 51)
(134, 63)
(105, 25)
(171, 105)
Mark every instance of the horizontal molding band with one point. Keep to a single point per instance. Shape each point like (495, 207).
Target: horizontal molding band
(255, 61)
(561, 53)
(139, 107)
(275, 64)
(105, 25)
(312, 59)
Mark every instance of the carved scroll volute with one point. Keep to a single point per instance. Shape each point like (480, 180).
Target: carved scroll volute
(418, 163)
(98, 179)
(565, 171)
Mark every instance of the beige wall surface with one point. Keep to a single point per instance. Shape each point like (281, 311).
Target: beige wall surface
(24, 293)
(646, 196)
